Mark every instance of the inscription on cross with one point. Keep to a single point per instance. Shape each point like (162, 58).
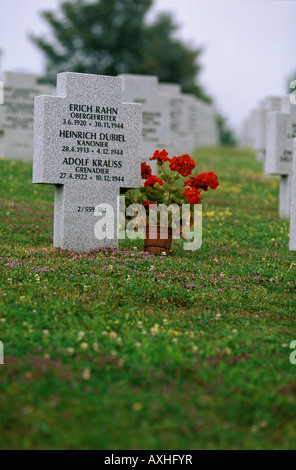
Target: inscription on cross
(88, 144)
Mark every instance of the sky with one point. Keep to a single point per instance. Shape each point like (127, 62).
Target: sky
(249, 45)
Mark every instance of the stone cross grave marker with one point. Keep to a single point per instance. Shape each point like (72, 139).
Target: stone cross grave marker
(17, 114)
(187, 140)
(181, 141)
(197, 123)
(259, 116)
(293, 202)
(156, 112)
(87, 143)
(173, 91)
(281, 129)
(208, 129)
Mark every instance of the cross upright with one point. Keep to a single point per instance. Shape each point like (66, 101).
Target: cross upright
(88, 144)
(281, 129)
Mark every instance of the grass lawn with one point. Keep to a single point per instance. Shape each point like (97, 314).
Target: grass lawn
(121, 350)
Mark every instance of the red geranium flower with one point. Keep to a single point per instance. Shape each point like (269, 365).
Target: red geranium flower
(162, 156)
(193, 195)
(203, 181)
(152, 181)
(183, 165)
(146, 171)
(190, 182)
(212, 180)
(146, 203)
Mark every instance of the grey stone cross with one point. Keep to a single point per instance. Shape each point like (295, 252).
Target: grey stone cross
(88, 144)
(281, 129)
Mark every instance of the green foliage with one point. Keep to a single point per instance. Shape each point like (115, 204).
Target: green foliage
(171, 192)
(116, 349)
(226, 135)
(110, 37)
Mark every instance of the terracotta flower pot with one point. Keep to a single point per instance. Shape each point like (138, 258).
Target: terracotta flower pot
(158, 240)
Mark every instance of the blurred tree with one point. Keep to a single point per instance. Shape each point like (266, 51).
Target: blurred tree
(226, 135)
(110, 37)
